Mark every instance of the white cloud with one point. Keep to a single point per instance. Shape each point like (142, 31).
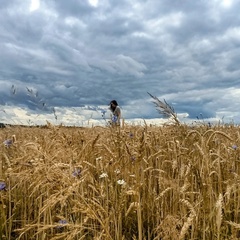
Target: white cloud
(127, 64)
(94, 3)
(73, 22)
(226, 3)
(35, 4)
(157, 27)
(82, 53)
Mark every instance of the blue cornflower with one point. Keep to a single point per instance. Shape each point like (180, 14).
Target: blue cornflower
(76, 173)
(114, 118)
(62, 222)
(234, 147)
(131, 135)
(103, 113)
(133, 158)
(3, 186)
(8, 142)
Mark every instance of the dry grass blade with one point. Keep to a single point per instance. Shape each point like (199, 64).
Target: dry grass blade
(233, 224)
(165, 109)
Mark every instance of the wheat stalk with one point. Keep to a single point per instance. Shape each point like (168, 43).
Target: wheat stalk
(190, 219)
(38, 187)
(219, 204)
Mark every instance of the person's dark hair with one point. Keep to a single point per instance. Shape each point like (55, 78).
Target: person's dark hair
(114, 102)
(112, 108)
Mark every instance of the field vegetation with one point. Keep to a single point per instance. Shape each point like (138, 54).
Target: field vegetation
(134, 182)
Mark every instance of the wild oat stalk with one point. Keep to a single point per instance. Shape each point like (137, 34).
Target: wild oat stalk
(165, 109)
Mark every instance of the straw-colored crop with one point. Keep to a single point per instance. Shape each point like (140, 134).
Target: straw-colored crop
(134, 182)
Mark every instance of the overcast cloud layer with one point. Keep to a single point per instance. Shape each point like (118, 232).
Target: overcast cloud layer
(63, 61)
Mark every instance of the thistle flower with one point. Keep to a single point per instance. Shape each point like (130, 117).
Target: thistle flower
(3, 186)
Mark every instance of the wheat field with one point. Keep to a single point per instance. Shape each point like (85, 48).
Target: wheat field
(134, 182)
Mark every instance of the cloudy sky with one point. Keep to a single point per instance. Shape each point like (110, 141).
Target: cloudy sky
(64, 61)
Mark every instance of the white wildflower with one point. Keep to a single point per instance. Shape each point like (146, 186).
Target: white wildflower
(103, 175)
(117, 171)
(121, 182)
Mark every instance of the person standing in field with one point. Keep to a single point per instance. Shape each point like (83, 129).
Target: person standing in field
(116, 113)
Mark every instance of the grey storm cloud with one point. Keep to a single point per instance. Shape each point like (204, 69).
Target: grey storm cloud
(81, 53)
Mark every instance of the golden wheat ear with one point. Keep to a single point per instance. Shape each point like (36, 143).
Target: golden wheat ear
(165, 109)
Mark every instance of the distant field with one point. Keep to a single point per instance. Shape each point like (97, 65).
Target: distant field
(134, 182)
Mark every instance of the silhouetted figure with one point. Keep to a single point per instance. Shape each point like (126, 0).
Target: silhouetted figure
(116, 113)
